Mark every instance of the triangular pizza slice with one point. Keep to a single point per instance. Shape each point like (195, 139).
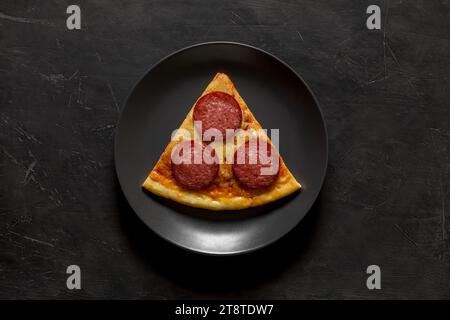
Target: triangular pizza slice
(241, 170)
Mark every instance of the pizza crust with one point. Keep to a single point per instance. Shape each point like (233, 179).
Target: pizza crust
(225, 194)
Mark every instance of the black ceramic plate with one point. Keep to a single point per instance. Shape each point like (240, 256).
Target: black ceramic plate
(277, 96)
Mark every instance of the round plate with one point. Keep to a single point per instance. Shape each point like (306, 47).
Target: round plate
(276, 95)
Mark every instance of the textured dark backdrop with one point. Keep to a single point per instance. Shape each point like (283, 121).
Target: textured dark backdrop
(385, 97)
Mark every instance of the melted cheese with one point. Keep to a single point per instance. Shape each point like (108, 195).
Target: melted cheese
(225, 193)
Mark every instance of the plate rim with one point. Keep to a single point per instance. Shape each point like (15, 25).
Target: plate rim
(181, 245)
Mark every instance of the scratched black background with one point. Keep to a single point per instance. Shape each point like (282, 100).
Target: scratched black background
(385, 97)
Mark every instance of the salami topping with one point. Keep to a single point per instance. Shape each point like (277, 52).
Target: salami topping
(255, 167)
(192, 166)
(218, 110)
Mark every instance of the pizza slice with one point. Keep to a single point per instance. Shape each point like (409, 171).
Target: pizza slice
(200, 170)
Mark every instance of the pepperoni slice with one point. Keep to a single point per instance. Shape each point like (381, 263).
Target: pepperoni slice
(194, 170)
(254, 171)
(218, 110)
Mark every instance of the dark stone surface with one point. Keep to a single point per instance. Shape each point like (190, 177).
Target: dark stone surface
(385, 97)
